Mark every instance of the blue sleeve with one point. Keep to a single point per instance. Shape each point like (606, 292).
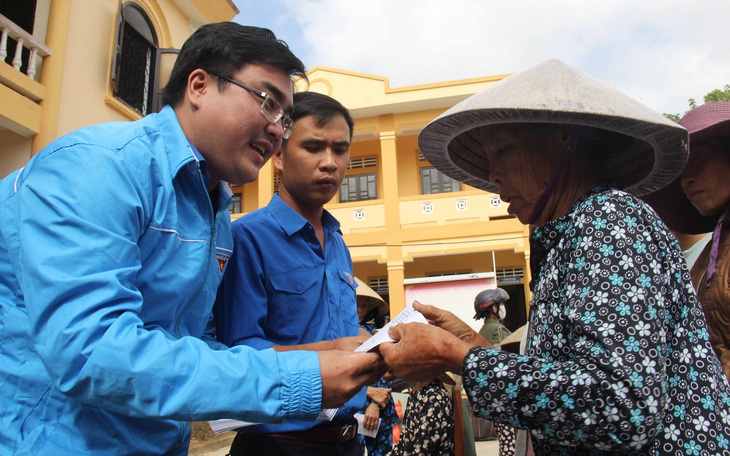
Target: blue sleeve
(78, 258)
(241, 307)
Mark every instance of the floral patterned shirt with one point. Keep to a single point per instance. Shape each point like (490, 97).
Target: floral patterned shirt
(618, 356)
(428, 423)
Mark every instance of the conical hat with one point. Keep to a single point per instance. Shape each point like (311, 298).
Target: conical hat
(368, 299)
(554, 92)
(515, 337)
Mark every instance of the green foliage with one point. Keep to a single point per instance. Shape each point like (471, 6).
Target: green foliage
(712, 97)
(718, 95)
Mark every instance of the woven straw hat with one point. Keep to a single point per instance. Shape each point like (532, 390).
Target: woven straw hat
(710, 120)
(554, 92)
(368, 299)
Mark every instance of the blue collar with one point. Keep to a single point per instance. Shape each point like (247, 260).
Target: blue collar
(203, 165)
(292, 221)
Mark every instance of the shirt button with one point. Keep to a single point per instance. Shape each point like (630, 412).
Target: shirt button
(332, 299)
(299, 288)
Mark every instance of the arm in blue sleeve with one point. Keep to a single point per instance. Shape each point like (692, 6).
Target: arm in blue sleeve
(77, 264)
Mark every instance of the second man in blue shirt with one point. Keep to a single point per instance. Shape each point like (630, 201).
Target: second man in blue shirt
(289, 284)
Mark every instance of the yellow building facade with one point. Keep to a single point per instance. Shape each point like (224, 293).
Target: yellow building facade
(401, 218)
(68, 64)
(65, 64)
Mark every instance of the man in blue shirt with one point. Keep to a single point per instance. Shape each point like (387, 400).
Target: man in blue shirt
(113, 240)
(289, 284)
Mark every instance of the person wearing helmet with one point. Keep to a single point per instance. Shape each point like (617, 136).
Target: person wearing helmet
(490, 305)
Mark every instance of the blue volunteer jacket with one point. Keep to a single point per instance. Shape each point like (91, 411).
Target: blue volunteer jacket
(110, 258)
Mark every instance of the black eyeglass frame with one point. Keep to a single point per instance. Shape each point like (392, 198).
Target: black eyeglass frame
(287, 123)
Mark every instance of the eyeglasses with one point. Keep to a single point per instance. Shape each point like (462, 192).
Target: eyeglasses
(270, 108)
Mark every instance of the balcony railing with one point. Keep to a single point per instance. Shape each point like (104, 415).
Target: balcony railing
(24, 41)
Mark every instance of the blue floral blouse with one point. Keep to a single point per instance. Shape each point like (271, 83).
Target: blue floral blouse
(618, 356)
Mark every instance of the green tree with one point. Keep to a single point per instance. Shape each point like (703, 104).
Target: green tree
(712, 97)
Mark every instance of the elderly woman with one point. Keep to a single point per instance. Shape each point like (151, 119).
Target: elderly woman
(618, 357)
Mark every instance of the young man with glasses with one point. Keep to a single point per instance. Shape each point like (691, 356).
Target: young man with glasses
(289, 284)
(113, 242)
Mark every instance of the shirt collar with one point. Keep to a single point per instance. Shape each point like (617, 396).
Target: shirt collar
(203, 165)
(292, 221)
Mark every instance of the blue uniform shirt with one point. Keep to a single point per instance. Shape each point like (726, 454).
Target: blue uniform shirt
(281, 289)
(110, 260)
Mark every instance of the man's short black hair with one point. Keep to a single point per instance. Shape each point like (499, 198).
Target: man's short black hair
(224, 48)
(321, 107)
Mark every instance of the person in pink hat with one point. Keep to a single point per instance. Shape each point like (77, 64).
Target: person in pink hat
(705, 183)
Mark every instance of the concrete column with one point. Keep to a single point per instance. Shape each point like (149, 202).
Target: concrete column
(396, 275)
(52, 73)
(526, 279)
(265, 184)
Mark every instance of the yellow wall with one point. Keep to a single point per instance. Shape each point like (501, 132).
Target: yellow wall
(391, 237)
(72, 87)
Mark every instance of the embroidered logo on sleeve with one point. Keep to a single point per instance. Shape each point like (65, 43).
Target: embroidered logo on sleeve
(222, 259)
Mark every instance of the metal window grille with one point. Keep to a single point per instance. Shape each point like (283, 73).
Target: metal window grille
(359, 187)
(366, 162)
(507, 273)
(136, 63)
(434, 181)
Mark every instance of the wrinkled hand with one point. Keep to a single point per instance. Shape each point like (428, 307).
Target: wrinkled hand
(348, 343)
(372, 415)
(379, 395)
(344, 373)
(451, 323)
(422, 352)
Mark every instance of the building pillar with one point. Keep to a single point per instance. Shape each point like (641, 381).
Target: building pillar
(391, 200)
(265, 184)
(527, 278)
(52, 73)
(389, 170)
(396, 290)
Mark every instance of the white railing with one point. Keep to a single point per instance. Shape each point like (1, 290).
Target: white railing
(24, 40)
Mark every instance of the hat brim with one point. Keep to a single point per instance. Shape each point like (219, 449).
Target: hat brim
(368, 298)
(677, 212)
(515, 337)
(556, 93)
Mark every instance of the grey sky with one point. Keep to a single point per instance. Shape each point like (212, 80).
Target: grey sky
(661, 52)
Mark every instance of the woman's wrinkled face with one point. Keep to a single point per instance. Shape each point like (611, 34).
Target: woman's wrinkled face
(705, 178)
(521, 162)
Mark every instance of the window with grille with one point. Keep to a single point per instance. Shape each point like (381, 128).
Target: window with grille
(235, 207)
(367, 162)
(380, 285)
(510, 273)
(277, 182)
(359, 187)
(434, 181)
(136, 61)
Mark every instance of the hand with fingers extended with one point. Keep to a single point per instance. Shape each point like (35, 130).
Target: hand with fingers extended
(422, 352)
(451, 323)
(372, 417)
(344, 373)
